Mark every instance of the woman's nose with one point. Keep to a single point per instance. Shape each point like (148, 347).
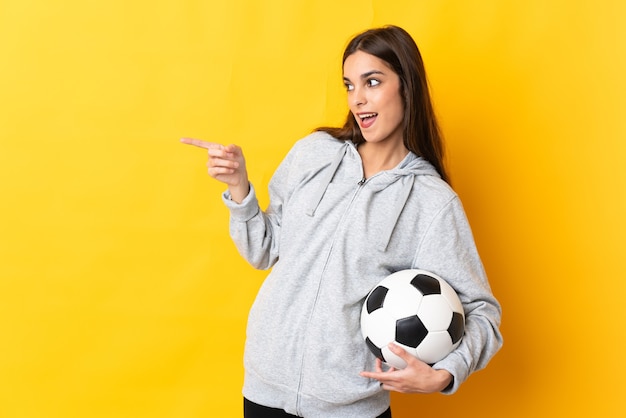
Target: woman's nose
(358, 97)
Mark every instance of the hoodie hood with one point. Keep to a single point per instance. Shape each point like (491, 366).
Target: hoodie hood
(404, 174)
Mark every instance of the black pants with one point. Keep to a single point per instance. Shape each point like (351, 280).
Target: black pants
(253, 410)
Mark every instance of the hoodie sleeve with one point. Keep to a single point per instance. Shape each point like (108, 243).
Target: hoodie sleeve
(256, 233)
(448, 249)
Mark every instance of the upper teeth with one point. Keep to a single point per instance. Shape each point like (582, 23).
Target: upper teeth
(367, 115)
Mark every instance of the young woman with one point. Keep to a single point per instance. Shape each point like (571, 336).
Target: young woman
(349, 206)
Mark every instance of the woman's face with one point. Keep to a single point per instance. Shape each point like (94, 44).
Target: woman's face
(374, 97)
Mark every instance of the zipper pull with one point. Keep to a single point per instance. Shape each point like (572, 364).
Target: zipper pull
(362, 181)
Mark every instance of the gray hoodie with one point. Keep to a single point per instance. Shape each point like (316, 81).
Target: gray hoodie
(329, 236)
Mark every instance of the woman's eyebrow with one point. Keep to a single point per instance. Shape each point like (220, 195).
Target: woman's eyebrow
(365, 75)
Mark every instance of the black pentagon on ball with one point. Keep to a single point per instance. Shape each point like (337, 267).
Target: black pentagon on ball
(410, 331)
(374, 349)
(457, 327)
(376, 299)
(426, 284)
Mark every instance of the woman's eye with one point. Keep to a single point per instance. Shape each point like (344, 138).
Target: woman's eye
(373, 82)
(349, 87)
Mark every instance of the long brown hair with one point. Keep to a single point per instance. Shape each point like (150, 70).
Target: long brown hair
(397, 48)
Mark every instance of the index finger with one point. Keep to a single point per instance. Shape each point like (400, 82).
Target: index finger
(199, 143)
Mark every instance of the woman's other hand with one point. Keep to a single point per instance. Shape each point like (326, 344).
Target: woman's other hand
(416, 377)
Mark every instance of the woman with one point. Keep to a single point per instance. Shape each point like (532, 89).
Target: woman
(349, 206)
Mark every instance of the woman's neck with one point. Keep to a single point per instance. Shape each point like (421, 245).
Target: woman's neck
(378, 157)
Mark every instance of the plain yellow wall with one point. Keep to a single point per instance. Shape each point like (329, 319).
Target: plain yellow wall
(121, 294)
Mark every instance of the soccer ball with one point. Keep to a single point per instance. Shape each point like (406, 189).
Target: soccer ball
(417, 310)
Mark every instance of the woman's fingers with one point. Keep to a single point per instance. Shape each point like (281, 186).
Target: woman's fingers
(226, 163)
(201, 144)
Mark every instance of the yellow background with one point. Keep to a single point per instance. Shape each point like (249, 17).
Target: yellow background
(121, 294)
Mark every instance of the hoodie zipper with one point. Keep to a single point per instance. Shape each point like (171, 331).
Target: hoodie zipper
(360, 184)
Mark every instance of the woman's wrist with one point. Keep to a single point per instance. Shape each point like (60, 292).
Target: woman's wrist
(446, 379)
(238, 193)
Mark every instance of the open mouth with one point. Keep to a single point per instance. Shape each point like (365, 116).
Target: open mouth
(367, 119)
